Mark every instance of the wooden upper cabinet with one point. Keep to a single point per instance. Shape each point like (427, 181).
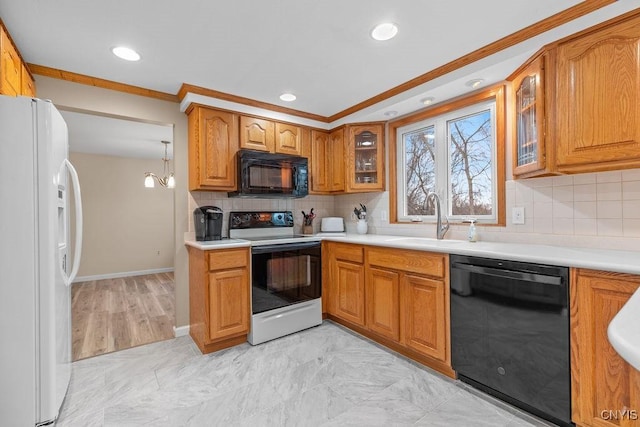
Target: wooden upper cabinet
(603, 385)
(598, 99)
(257, 134)
(273, 137)
(335, 160)
(327, 167)
(319, 175)
(529, 140)
(365, 157)
(288, 139)
(28, 84)
(213, 143)
(10, 66)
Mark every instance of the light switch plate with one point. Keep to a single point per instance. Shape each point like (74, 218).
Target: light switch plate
(517, 215)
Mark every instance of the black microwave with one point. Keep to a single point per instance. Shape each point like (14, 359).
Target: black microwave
(270, 175)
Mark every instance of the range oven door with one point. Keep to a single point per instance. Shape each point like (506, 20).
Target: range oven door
(285, 274)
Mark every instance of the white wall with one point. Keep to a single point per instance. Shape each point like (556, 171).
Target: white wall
(127, 227)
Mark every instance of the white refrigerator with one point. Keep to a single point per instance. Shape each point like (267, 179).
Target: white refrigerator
(35, 266)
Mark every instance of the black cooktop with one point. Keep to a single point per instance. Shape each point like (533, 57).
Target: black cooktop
(241, 220)
(292, 236)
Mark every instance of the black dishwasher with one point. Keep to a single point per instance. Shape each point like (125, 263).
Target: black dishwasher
(510, 332)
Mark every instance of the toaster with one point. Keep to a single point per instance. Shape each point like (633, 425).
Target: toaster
(332, 224)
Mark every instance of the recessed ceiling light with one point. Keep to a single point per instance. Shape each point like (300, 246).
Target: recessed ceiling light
(391, 113)
(474, 83)
(288, 97)
(428, 100)
(126, 53)
(384, 31)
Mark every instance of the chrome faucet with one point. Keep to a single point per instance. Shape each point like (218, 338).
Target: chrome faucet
(441, 230)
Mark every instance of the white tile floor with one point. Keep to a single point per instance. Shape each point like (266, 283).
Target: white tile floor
(323, 376)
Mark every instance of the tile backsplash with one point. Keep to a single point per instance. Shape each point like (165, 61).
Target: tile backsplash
(322, 206)
(598, 210)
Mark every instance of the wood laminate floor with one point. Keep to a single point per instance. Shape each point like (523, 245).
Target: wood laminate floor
(115, 314)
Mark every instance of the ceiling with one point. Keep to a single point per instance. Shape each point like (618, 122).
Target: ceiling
(117, 136)
(319, 50)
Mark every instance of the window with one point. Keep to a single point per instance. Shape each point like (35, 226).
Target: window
(456, 151)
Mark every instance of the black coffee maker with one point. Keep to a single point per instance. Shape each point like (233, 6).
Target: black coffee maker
(208, 223)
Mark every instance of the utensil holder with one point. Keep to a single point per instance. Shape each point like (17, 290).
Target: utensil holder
(307, 229)
(361, 226)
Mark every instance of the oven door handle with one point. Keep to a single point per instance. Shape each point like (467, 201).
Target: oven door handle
(510, 274)
(284, 247)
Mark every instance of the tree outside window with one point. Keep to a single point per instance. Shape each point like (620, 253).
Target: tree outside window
(471, 148)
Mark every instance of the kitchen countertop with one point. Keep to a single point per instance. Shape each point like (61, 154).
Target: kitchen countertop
(218, 244)
(597, 259)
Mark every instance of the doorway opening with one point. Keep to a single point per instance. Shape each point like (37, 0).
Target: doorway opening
(124, 295)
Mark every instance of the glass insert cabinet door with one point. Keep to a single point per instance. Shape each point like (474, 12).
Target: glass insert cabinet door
(366, 146)
(529, 154)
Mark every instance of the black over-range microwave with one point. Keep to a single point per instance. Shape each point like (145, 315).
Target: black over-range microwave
(270, 175)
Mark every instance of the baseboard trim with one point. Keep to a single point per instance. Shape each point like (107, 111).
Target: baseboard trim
(123, 274)
(180, 331)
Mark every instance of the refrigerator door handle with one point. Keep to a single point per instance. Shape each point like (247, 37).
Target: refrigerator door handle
(78, 205)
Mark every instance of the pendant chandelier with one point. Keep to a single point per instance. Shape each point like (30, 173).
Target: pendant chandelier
(167, 180)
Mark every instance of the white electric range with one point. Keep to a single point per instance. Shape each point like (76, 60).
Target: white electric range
(286, 274)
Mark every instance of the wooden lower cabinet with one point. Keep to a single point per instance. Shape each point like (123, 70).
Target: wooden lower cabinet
(383, 302)
(219, 299)
(397, 297)
(425, 315)
(349, 291)
(605, 389)
(228, 301)
(343, 286)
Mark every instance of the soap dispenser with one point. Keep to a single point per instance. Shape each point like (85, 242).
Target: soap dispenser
(473, 234)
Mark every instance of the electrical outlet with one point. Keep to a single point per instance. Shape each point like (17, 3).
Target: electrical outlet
(383, 215)
(517, 215)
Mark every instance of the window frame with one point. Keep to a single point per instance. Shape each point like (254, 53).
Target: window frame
(496, 93)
